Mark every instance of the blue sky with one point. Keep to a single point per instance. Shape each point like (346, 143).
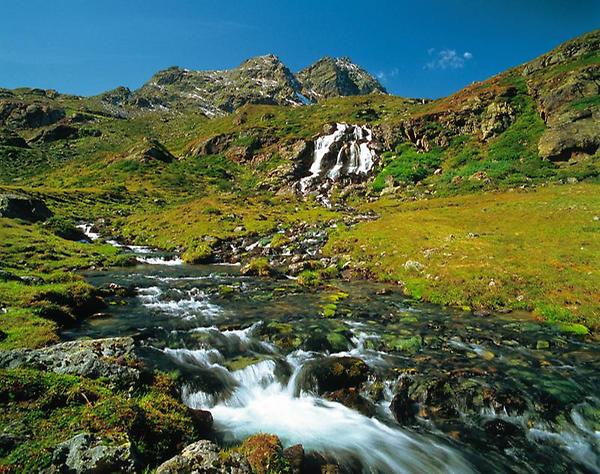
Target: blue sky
(417, 48)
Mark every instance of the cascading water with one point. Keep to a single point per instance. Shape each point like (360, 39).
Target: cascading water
(354, 156)
(232, 363)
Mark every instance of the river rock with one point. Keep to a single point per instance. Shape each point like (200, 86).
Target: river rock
(106, 358)
(450, 395)
(87, 454)
(295, 457)
(336, 373)
(351, 398)
(20, 206)
(203, 420)
(205, 457)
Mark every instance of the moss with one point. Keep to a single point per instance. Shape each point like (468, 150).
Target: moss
(265, 454)
(402, 344)
(309, 279)
(279, 240)
(45, 409)
(258, 266)
(328, 310)
(241, 362)
(198, 253)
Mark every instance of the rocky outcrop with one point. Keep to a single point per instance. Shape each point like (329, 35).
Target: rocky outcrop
(55, 133)
(337, 77)
(148, 151)
(205, 457)
(10, 138)
(20, 114)
(99, 358)
(19, 206)
(88, 454)
(566, 88)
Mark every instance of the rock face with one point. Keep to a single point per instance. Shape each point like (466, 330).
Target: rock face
(15, 113)
(204, 457)
(92, 358)
(85, 454)
(337, 77)
(566, 88)
(18, 206)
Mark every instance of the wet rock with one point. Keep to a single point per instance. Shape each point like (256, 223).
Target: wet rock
(205, 457)
(402, 406)
(20, 206)
(85, 453)
(203, 420)
(335, 373)
(351, 398)
(295, 458)
(89, 358)
(501, 431)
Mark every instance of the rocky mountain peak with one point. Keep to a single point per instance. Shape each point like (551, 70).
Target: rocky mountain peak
(334, 77)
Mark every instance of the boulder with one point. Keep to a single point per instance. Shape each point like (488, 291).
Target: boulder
(86, 454)
(106, 358)
(567, 140)
(150, 150)
(295, 458)
(351, 398)
(205, 457)
(203, 420)
(20, 206)
(336, 373)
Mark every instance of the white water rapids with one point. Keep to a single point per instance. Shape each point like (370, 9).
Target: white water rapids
(265, 402)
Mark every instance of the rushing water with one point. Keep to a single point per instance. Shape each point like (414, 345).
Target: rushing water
(245, 346)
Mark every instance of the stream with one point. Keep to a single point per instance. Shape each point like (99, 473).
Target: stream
(250, 350)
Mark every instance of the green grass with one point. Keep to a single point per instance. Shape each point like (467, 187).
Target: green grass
(496, 250)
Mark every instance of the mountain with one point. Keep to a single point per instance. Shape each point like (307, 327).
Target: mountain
(258, 80)
(337, 77)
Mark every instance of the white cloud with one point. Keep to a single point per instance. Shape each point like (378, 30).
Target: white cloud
(447, 59)
(384, 76)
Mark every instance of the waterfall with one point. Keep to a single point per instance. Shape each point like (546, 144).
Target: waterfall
(352, 147)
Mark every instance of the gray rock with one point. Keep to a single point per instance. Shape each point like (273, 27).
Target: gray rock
(20, 206)
(203, 457)
(85, 453)
(93, 358)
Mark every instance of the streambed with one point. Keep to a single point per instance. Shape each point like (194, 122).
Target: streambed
(250, 349)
